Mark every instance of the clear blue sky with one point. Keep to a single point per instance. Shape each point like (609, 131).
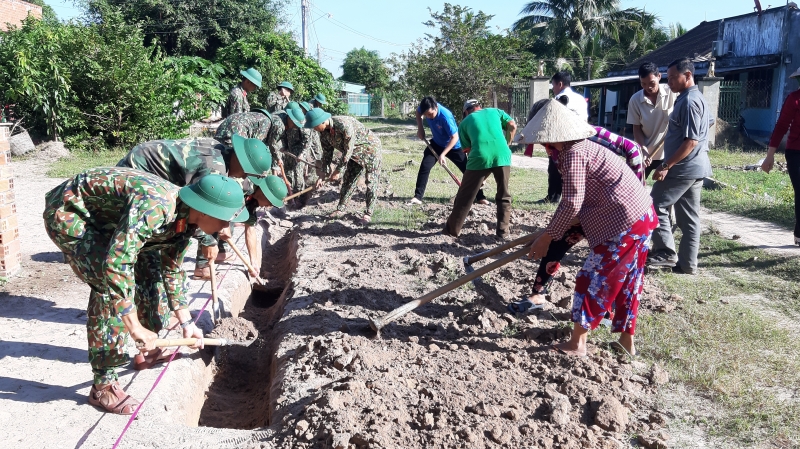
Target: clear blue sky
(391, 26)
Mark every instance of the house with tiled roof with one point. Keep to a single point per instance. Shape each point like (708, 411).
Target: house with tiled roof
(13, 12)
(750, 55)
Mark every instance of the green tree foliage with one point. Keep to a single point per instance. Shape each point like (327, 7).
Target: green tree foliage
(99, 86)
(278, 57)
(48, 13)
(463, 60)
(362, 66)
(676, 30)
(192, 27)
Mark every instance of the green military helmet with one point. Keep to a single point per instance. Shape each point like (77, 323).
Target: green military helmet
(253, 155)
(320, 98)
(305, 106)
(216, 196)
(273, 187)
(286, 84)
(315, 117)
(293, 104)
(295, 114)
(261, 110)
(253, 75)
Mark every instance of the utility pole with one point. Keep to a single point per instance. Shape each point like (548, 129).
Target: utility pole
(304, 15)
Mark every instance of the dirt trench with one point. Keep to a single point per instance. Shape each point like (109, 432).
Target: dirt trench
(239, 397)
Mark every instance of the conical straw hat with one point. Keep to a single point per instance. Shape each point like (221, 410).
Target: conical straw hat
(556, 123)
(796, 73)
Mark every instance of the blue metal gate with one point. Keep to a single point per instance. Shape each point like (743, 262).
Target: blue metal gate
(358, 104)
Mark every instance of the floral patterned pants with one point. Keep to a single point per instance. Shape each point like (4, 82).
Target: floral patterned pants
(614, 275)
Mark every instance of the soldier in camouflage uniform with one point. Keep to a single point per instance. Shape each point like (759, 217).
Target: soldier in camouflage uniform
(252, 125)
(237, 97)
(125, 233)
(277, 100)
(185, 161)
(302, 143)
(278, 140)
(361, 152)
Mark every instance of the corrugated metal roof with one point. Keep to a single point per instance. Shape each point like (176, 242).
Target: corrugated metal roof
(352, 88)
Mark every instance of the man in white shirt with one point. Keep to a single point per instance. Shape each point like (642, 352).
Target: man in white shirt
(648, 112)
(576, 103)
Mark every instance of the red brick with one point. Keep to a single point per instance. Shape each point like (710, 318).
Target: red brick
(15, 11)
(5, 157)
(8, 224)
(5, 145)
(8, 210)
(9, 250)
(7, 198)
(9, 236)
(6, 172)
(6, 185)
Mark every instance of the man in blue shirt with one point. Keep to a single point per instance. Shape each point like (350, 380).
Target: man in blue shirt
(444, 142)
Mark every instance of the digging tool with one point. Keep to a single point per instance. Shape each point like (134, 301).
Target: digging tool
(216, 311)
(452, 175)
(295, 195)
(379, 323)
(160, 343)
(469, 260)
(261, 294)
(298, 159)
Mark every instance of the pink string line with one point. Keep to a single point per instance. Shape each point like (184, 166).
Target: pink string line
(164, 371)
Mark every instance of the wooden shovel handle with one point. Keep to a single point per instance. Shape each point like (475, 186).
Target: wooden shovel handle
(160, 343)
(377, 324)
(524, 239)
(452, 175)
(295, 195)
(244, 261)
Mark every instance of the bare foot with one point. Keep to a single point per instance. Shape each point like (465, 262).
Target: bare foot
(568, 349)
(537, 299)
(626, 343)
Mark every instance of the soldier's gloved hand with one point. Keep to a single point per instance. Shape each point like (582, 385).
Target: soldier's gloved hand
(209, 252)
(192, 331)
(225, 234)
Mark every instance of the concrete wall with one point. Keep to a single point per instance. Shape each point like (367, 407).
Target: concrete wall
(15, 11)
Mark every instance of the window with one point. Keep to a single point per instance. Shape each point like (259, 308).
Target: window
(758, 89)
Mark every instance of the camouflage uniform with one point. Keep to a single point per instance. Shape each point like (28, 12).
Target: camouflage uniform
(125, 233)
(303, 143)
(236, 102)
(183, 162)
(252, 125)
(276, 139)
(361, 151)
(276, 102)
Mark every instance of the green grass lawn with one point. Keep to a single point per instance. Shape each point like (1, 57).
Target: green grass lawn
(83, 160)
(752, 194)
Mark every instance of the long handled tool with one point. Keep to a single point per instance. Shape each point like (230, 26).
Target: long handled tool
(469, 260)
(298, 159)
(261, 294)
(452, 175)
(216, 311)
(295, 195)
(160, 343)
(379, 323)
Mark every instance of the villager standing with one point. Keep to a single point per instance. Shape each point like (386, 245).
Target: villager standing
(444, 141)
(277, 100)
(648, 112)
(106, 221)
(361, 153)
(789, 121)
(237, 97)
(679, 179)
(617, 218)
(575, 102)
(482, 137)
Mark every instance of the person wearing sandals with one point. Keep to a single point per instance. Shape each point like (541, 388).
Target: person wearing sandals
(105, 220)
(183, 162)
(788, 121)
(361, 153)
(551, 263)
(617, 217)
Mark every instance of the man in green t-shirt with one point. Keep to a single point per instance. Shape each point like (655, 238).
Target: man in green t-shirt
(482, 138)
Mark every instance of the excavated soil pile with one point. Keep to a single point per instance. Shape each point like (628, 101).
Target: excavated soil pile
(457, 372)
(239, 397)
(236, 329)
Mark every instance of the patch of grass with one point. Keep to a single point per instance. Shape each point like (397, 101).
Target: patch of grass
(83, 160)
(752, 194)
(400, 123)
(399, 218)
(732, 352)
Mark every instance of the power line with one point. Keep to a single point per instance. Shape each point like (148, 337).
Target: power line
(346, 27)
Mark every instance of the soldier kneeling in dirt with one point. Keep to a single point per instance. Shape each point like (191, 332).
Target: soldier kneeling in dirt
(125, 233)
(361, 152)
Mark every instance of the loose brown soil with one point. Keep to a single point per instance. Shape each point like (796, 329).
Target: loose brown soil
(236, 329)
(457, 372)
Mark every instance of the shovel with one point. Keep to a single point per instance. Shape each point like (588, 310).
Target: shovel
(469, 260)
(216, 312)
(298, 159)
(378, 323)
(452, 175)
(261, 294)
(295, 195)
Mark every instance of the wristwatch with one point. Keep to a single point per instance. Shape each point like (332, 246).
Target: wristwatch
(664, 166)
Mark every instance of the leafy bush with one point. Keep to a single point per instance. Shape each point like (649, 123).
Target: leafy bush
(278, 57)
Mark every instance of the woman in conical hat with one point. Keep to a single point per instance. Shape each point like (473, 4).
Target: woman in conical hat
(616, 214)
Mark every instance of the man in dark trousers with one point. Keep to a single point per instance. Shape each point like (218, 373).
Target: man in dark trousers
(444, 142)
